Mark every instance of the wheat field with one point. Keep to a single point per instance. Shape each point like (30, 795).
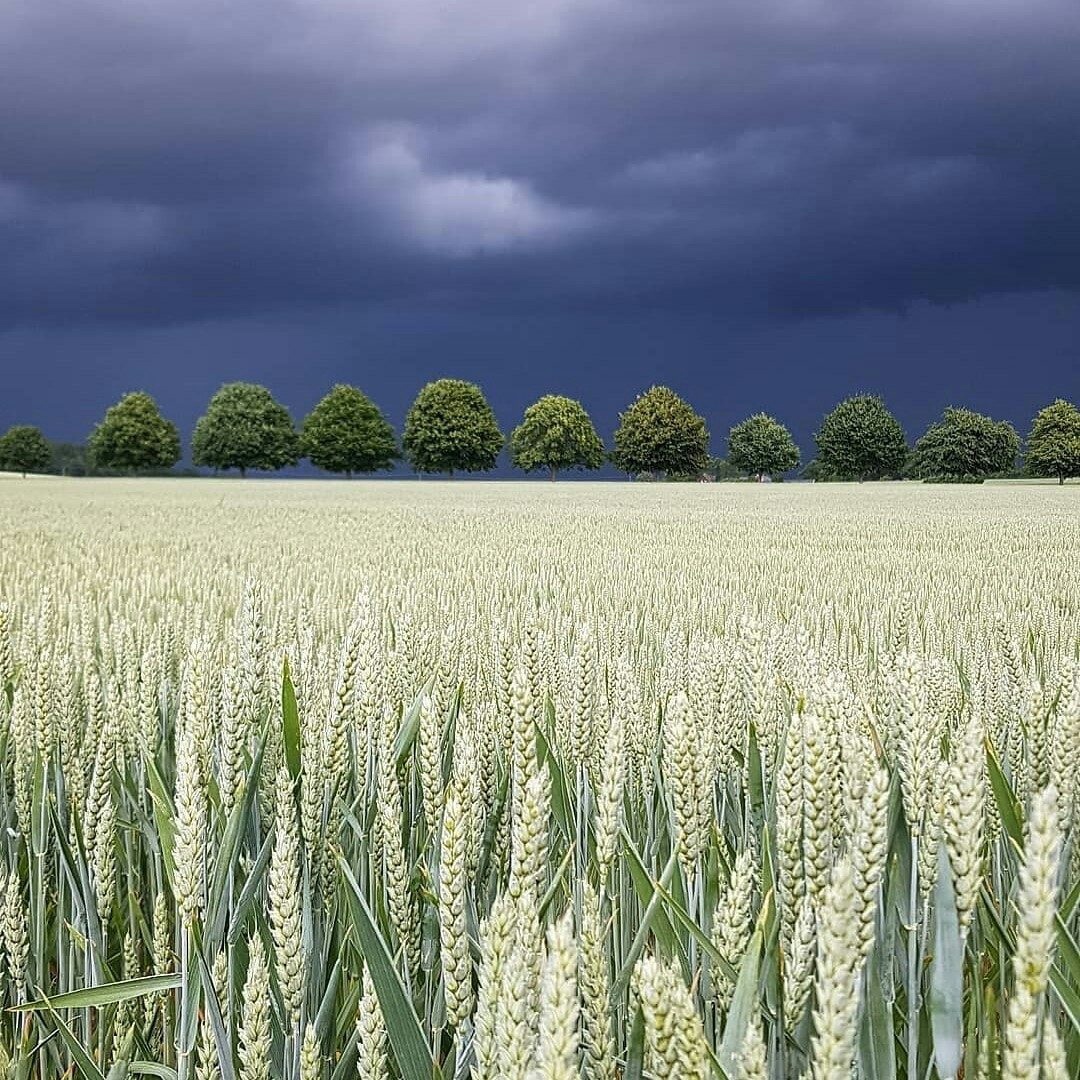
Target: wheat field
(309, 780)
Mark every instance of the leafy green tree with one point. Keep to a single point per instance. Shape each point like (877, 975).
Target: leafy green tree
(814, 471)
(556, 433)
(721, 469)
(135, 436)
(1053, 447)
(24, 449)
(245, 428)
(762, 446)
(451, 428)
(347, 433)
(661, 433)
(70, 459)
(965, 445)
(861, 440)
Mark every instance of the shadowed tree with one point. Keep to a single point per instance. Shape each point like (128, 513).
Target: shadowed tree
(451, 428)
(721, 469)
(134, 436)
(556, 433)
(24, 449)
(245, 428)
(965, 445)
(861, 440)
(661, 433)
(762, 446)
(347, 433)
(70, 459)
(1053, 447)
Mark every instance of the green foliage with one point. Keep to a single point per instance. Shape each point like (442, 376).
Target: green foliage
(721, 469)
(70, 459)
(556, 433)
(965, 446)
(347, 433)
(245, 428)
(661, 433)
(134, 436)
(1053, 447)
(694, 477)
(861, 440)
(762, 446)
(24, 449)
(451, 428)
(814, 470)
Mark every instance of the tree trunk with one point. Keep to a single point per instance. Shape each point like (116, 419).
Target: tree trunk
(551, 474)
(1061, 480)
(243, 472)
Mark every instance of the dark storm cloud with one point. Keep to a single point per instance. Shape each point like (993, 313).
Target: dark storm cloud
(162, 163)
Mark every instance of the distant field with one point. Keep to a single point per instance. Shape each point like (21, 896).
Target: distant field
(563, 778)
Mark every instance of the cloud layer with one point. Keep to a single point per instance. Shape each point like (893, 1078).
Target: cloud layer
(163, 163)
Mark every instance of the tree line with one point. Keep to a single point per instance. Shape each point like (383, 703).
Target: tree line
(450, 428)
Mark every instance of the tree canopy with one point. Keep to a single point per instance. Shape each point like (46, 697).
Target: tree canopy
(134, 435)
(24, 449)
(245, 428)
(965, 445)
(861, 440)
(1053, 447)
(721, 469)
(762, 446)
(347, 433)
(70, 459)
(451, 428)
(661, 433)
(556, 433)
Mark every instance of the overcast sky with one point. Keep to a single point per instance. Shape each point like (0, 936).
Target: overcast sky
(767, 204)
